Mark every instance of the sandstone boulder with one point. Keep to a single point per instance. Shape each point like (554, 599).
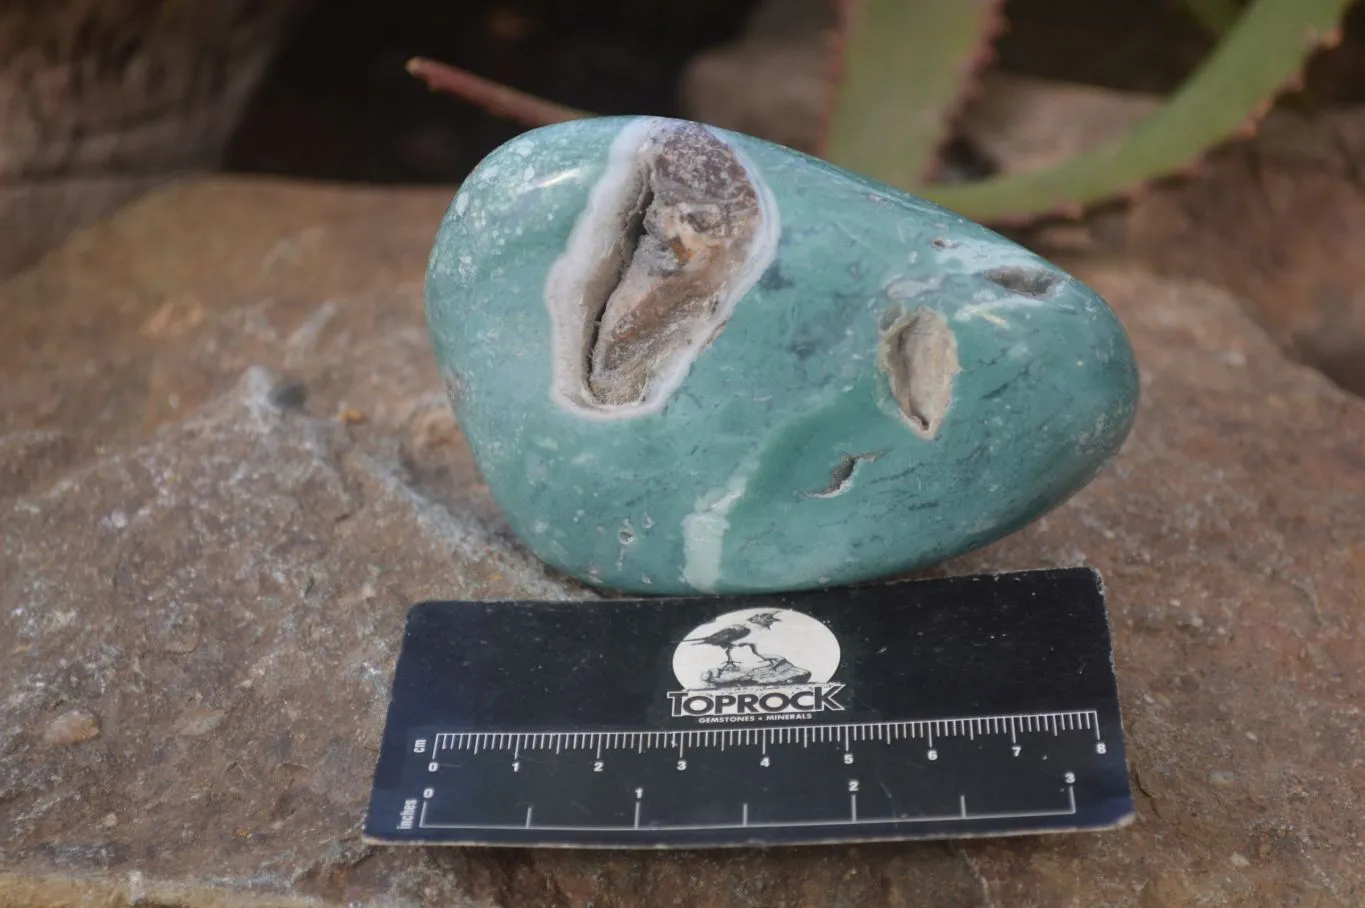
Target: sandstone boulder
(226, 469)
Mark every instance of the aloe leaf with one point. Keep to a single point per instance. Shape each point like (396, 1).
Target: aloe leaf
(906, 67)
(1217, 16)
(1263, 52)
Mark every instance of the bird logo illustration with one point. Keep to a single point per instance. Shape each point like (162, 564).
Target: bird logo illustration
(731, 637)
(738, 636)
(754, 648)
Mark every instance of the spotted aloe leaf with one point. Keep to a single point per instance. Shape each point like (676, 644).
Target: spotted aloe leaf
(1262, 54)
(906, 66)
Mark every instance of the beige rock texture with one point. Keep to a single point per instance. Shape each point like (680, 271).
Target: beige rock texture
(102, 99)
(227, 468)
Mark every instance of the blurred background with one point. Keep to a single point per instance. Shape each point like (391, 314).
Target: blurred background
(100, 101)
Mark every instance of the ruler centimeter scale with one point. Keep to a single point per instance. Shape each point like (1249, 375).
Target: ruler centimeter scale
(756, 720)
(799, 734)
(447, 750)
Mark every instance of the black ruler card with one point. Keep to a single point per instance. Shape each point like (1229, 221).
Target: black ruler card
(969, 706)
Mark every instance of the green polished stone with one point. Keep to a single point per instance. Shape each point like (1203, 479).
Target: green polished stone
(688, 360)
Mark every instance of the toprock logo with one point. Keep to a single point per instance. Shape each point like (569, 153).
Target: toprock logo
(756, 664)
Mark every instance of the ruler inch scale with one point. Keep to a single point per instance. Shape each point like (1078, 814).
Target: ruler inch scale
(964, 707)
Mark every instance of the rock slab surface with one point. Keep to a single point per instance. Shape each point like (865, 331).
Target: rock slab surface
(227, 467)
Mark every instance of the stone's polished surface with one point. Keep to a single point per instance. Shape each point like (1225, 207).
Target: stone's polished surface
(691, 361)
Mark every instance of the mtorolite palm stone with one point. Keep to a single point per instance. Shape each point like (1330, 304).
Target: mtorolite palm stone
(690, 361)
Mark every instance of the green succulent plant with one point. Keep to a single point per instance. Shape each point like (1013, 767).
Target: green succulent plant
(904, 67)
(1262, 50)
